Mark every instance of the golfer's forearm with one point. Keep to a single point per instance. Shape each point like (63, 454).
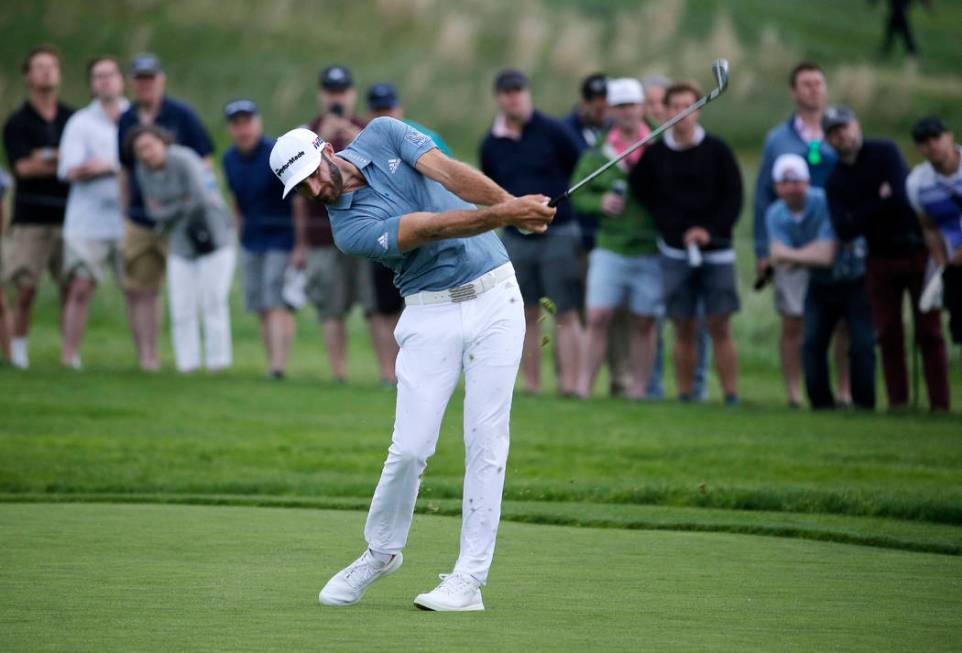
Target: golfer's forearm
(416, 229)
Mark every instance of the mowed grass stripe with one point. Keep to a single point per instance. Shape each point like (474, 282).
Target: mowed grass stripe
(864, 531)
(159, 578)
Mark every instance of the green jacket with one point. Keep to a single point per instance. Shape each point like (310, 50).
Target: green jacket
(630, 234)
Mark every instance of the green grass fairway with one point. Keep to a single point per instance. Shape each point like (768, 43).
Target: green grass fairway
(177, 578)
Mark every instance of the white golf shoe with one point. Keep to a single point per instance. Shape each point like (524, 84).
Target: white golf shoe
(456, 593)
(348, 585)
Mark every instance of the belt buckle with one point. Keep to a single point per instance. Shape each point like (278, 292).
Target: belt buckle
(463, 293)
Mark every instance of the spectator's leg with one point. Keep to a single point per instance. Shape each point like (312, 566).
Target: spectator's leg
(329, 290)
(183, 281)
(858, 315)
(23, 310)
(885, 281)
(656, 388)
(643, 346)
(726, 359)
(685, 355)
(820, 318)
(216, 274)
(790, 349)
(619, 348)
(75, 317)
(599, 325)
(843, 375)
(569, 341)
(4, 326)
(928, 334)
(531, 352)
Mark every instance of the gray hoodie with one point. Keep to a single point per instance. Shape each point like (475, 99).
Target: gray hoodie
(184, 190)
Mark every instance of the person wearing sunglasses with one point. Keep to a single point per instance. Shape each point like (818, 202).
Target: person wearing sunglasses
(801, 134)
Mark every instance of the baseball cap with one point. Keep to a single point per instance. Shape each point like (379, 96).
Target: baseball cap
(145, 65)
(336, 78)
(790, 167)
(510, 80)
(295, 156)
(625, 90)
(594, 86)
(928, 127)
(240, 107)
(836, 116)
(382, 96)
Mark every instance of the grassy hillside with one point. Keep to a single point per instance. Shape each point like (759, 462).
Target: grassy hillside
(443, 55)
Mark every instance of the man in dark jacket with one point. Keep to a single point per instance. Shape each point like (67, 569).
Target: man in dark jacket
(527, 152)
(866, 194)
(691, 183)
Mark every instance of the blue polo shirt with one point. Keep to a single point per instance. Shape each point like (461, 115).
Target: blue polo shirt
(177, 118)
(365, 222)
(814, 224)
(266, 222)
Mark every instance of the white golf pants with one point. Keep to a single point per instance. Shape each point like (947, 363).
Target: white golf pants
(198, 290)
(481, 337)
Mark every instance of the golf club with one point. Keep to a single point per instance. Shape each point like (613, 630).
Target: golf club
(719, 69)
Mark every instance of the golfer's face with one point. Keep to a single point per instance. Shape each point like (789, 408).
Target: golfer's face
(324, 185)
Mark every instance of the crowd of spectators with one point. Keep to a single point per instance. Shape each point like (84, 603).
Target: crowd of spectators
(841, 228)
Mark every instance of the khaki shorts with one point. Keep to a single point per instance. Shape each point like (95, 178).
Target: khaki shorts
(29, 249)
(87, 258)
(791, 286)
(144, 254)
(335, 281)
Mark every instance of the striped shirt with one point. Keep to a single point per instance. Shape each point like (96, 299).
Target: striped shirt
(939, 197)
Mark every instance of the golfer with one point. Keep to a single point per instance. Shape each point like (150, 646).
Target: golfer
(395, 198)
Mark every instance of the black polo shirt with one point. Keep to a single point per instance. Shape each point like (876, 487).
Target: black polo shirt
(38, 200)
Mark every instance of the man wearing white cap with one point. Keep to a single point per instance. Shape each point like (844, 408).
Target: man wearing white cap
(395, 198)
(801, 237)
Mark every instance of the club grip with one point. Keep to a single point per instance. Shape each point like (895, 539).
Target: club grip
(555, 201)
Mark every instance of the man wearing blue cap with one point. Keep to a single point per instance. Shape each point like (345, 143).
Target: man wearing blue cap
(266, 229)
(382, 100)
(395, 198)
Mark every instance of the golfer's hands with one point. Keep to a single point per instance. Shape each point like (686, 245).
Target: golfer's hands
(530, 213)
(612, 205)
(698, 236)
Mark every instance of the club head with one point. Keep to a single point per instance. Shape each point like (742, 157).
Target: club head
(720, 70)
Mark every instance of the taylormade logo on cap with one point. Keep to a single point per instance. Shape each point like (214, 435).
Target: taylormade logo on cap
(295, 156)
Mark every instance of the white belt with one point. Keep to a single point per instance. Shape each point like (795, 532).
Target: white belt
(464, 293)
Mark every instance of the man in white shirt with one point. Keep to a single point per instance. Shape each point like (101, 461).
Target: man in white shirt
(93, 224)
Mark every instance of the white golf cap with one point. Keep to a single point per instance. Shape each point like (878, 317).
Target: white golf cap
(296, 155)
(625, 90)
(790, 167)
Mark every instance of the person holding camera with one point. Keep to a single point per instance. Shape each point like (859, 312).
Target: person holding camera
(181, 196)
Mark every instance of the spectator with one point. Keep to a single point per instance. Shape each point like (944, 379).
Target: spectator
(800, 234)
(266, 229)
(801, 134)
(897, 25)
(181, 197)
(32, 138)
(691, 184)
(93, 225)
(526, 152)
(144, 248)
(623, 268)
(336, 281)
(934, 189)
(655, 87)
(867, 197)
(655, 115)
(382, 100)
(586, 123)
(5, 183)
